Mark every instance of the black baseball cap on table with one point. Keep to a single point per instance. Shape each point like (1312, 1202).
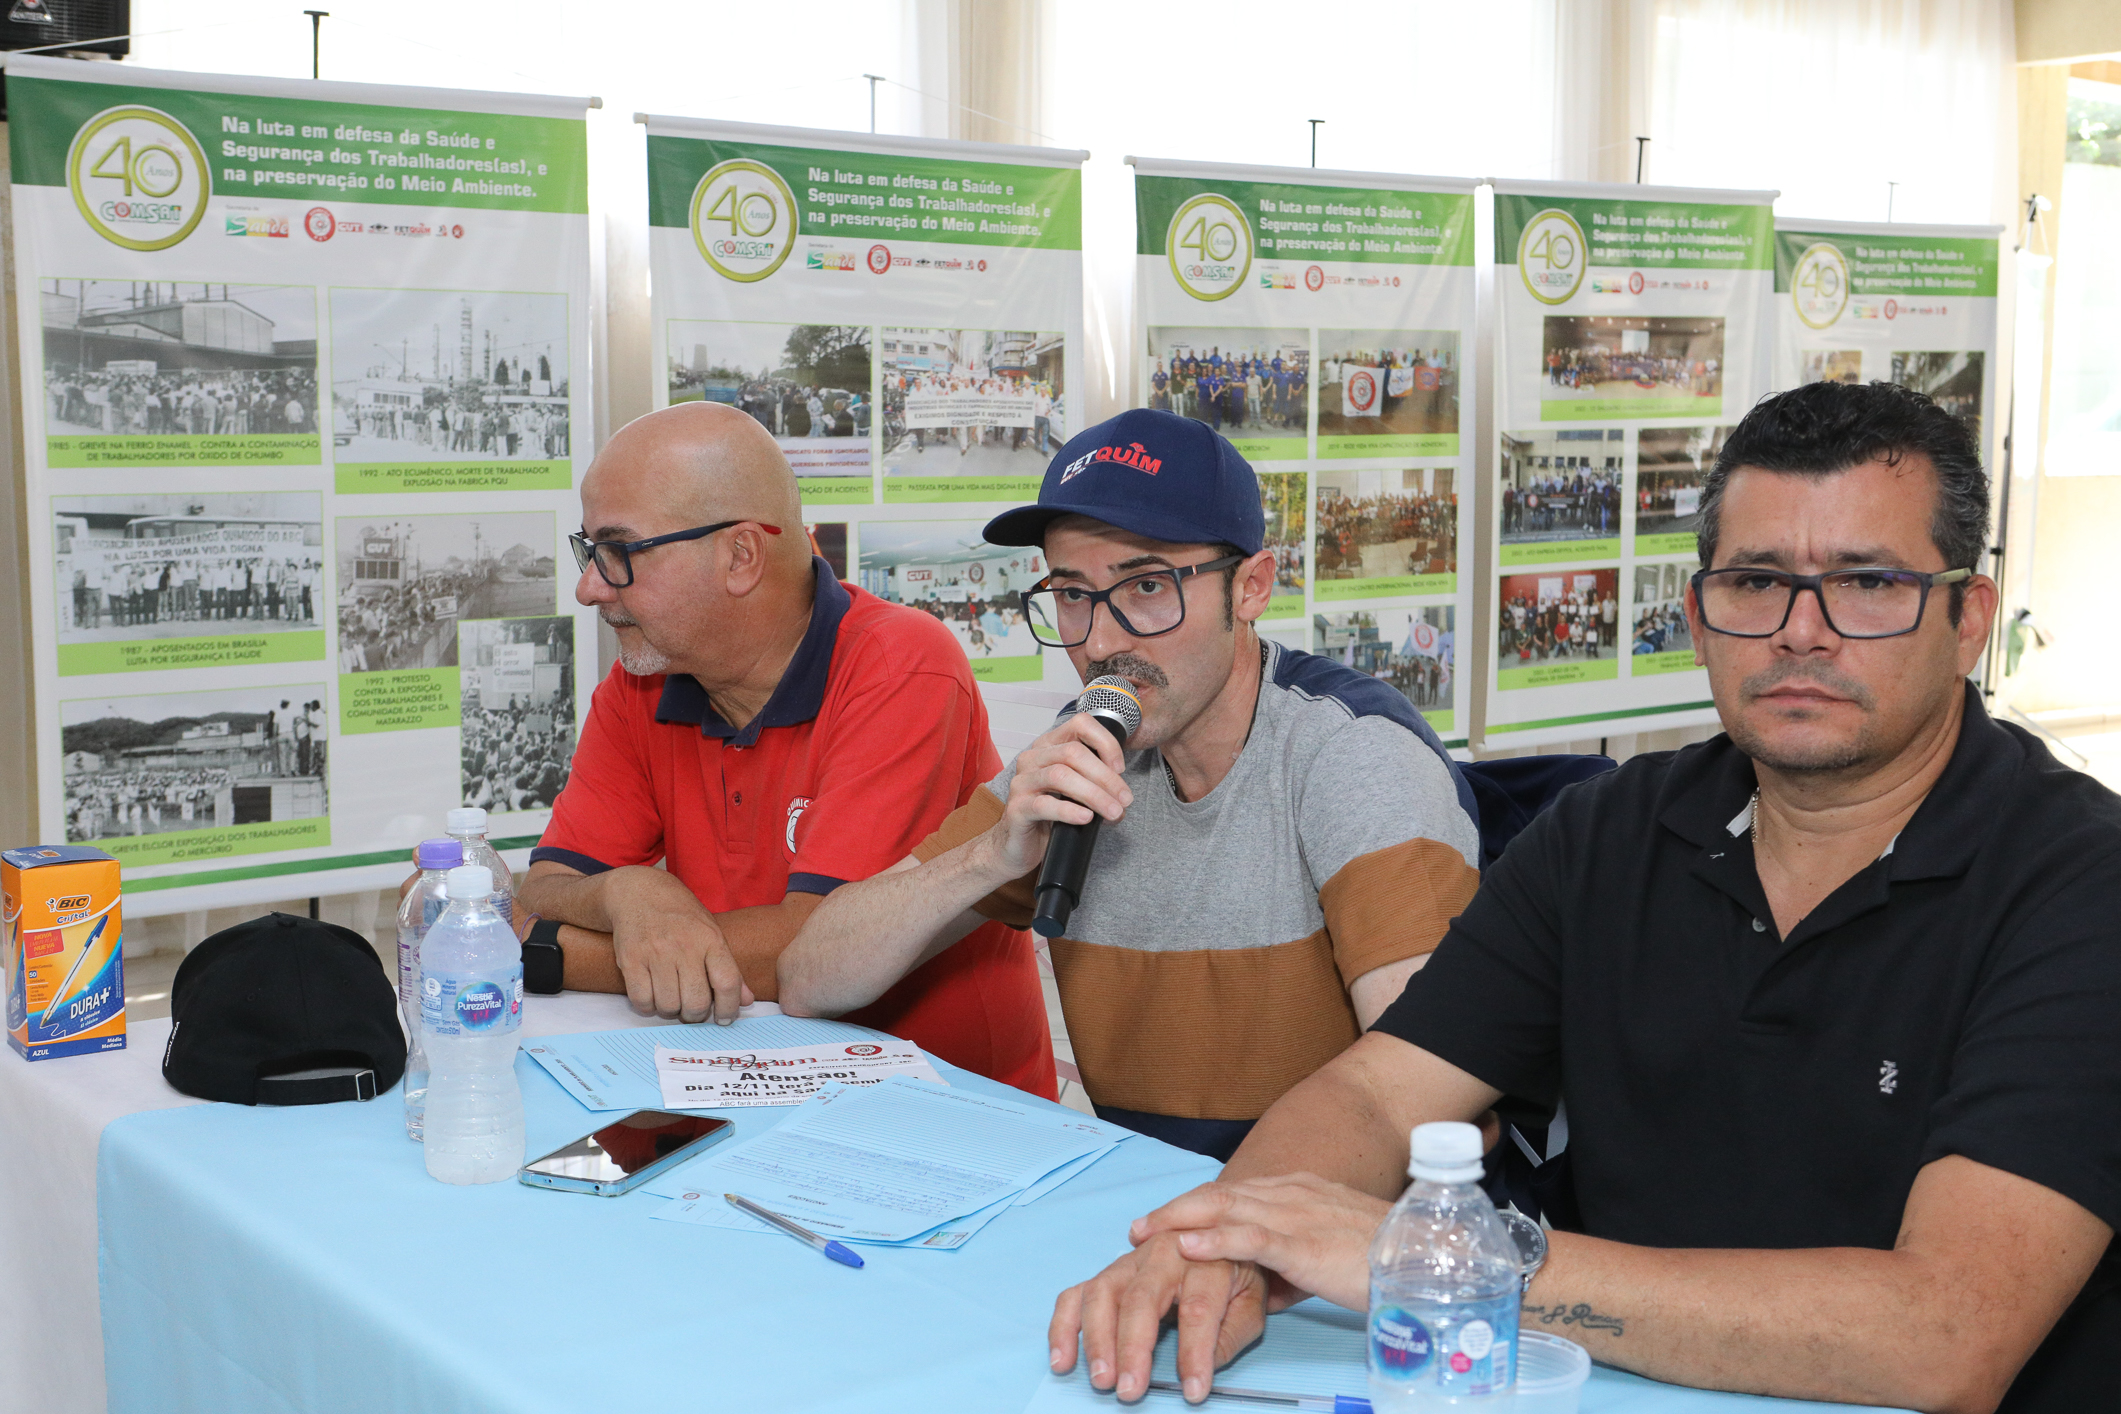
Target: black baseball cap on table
(283, 1011)
(1154, 473)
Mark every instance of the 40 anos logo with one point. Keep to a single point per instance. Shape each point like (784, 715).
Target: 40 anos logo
(1209, 244)
(743, 219)
(1819, 286)
(138, 177)
(1552, 256)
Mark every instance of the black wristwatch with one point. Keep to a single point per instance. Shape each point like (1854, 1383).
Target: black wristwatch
(544, 964)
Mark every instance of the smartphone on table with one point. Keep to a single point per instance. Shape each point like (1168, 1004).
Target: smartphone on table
(626, 1153)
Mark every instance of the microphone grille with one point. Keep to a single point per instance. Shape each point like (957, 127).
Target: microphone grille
(1114, 697)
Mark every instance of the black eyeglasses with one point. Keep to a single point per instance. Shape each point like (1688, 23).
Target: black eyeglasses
(1145, 605)
(614, 558)
(1858, 603)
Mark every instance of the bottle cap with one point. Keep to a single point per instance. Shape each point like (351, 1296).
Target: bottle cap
(472, 881)
(1445, 1151)
(466, 820)
(438, 854)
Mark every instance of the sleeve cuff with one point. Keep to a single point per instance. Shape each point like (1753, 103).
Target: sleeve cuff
(1394, 903)
(581, 863)
(813, 883)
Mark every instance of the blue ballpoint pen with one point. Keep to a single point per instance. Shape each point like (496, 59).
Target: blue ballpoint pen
(1322, 1403)
(843, 1255)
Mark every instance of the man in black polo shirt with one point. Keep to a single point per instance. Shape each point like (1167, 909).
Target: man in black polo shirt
(1833, 1001)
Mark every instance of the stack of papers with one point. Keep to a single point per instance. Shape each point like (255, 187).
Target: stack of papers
(738, 1077)
(902, 1162)
(615, 1070)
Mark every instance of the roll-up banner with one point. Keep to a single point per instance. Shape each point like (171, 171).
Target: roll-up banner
(1914, 305)
(301, 376)
(1322, 321)
(1631, 333)
(905, 316)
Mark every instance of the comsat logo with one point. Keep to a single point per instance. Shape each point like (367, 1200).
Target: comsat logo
(743, 219)
(138, 177)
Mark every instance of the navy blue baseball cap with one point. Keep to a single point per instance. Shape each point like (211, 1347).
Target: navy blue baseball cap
(1154, 473)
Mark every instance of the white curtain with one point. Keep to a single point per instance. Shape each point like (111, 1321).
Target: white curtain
(1832, 101)
(1430, 87)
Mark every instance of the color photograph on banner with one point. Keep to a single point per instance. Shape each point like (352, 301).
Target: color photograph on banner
(300, 418)
(821, 282)
(1632, 328)
(1319, 321)
(943, 569)
(1914, 305)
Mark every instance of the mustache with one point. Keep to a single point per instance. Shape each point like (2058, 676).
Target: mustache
(1127, 665)
(1788, 670)
(617, 617)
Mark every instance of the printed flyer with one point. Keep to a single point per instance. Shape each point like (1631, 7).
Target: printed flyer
(1914, 305)
(1322, 321)
(1631, 333)
(303, 418)
(905, 316)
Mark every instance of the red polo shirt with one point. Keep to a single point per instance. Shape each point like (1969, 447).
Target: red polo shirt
(875, 734)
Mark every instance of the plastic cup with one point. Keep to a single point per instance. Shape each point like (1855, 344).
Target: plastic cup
(1550, 1374)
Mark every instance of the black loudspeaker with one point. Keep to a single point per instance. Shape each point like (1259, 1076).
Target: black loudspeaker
(63, 26)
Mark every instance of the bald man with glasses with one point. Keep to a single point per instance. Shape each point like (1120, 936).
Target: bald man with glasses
(768, 733)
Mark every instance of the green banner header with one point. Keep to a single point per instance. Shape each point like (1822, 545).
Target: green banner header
(139, 146)
(1911, 264)
(1649, 235)
(861, 195)
(1298, 221)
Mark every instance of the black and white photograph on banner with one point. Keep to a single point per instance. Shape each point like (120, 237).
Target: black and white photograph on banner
(1660, 609)
(193, 760)
(1631, 356)
(448, 375)
(1952, 379)
(170, 566)
(945, 570)
(1554, 615)
(1284, 497)
(1386, 524)
(406, 582)
(1561, 483)
(1672, 465)
(829, 539)
(1831, 365)
(972, 402)
(1384, 382)
(161, 358)
(807, 384)
(1412, 649)
(517, 740)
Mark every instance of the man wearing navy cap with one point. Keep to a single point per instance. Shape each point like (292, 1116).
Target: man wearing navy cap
(1284, 838)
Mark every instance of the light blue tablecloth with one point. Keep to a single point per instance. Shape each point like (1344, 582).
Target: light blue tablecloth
(301, 1259)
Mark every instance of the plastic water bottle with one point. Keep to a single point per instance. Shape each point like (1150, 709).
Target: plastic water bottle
(422, 905)
(467, 826)
(1444, 1286)
(471, 1006)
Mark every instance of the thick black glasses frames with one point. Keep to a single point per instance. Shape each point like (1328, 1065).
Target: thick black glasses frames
(614, 558)
(1871, 601)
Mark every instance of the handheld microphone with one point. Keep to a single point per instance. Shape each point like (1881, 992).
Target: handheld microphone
(1110, 701)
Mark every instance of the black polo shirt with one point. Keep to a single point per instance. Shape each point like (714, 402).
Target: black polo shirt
(1727, 1087)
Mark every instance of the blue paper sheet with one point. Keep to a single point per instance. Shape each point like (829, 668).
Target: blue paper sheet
(890, 1162)
(615, 1070)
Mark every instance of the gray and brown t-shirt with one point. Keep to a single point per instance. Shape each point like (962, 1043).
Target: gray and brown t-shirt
(1208, 964)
